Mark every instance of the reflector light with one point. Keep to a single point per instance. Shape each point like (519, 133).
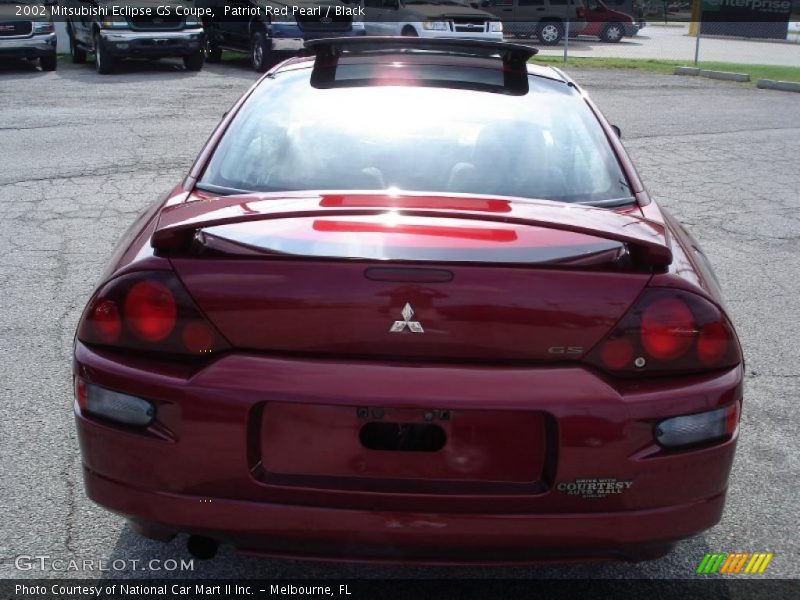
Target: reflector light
(698, 428)
(80, 392)
(118, 407)
(733, 419)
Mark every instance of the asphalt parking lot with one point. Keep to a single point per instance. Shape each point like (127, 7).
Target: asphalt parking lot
(83, 154)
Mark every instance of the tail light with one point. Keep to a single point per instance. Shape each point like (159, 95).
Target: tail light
(580, 12)
(148, 311)
(668, 331)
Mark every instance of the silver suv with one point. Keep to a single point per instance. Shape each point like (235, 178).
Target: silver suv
(27, 31)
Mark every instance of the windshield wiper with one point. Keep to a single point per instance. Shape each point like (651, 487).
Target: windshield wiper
(610, 203)
(220, 190)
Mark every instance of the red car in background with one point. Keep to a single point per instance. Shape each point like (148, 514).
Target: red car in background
(606, 23)
(411, 303)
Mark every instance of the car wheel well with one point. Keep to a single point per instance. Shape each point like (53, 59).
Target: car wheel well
(260, 46)
(258, 26)
(409, 30)
(605, 33)
(559, 24)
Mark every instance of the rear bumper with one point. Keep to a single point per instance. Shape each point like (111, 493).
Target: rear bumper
(34, 46)
(153, 43)
(201, 469)
(387, 536)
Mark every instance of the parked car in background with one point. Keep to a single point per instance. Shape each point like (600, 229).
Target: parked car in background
(430, 18)
(148, 32)
(544, 20)
(607, 24)
(30, 35)
(261, 36)
(634, 8)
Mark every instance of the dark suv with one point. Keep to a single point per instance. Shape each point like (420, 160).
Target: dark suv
(261, 35)
(27, 31)
(142, 29)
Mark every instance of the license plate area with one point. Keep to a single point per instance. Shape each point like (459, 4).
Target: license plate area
(402, 437)
(310, 444)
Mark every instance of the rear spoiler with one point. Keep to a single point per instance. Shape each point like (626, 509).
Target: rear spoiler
(647, 240)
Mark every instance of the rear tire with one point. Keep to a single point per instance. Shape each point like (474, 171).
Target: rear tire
(103, 61)
(260, 49)
(48, 63)
(550, 33)
(78, 54)
(613, 32)
(194, 62)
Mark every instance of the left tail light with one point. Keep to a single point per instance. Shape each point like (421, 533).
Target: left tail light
(149, 311)
(668, 331)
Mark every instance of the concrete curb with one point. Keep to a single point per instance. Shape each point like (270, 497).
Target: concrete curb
(771, 84)
(687, 71)
(725, 75)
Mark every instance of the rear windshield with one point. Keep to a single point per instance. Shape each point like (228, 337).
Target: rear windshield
(291, 136)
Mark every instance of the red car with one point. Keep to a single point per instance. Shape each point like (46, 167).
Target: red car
(412, 302)
(608, 24)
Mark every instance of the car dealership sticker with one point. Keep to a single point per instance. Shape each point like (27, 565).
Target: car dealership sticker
(594, 487)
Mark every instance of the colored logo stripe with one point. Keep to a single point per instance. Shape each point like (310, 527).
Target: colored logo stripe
(758, 563)
(711, 562)
(722, 562)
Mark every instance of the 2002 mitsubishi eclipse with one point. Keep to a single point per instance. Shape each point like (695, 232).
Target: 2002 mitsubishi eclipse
(412, 302)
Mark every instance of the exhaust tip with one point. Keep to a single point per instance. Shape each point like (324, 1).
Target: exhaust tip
(201, 547)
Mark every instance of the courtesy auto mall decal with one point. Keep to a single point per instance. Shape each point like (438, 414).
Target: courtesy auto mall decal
(594, 487)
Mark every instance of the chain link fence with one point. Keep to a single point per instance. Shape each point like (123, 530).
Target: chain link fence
(685, 31)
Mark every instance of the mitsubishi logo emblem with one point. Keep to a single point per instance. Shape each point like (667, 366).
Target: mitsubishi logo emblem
(414, 326)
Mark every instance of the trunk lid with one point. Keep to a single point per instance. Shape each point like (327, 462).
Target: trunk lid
(414, 278)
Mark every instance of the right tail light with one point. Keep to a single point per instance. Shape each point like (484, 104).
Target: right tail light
(668, 331)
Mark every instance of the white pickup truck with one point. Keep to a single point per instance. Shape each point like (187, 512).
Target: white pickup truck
(430, 18)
